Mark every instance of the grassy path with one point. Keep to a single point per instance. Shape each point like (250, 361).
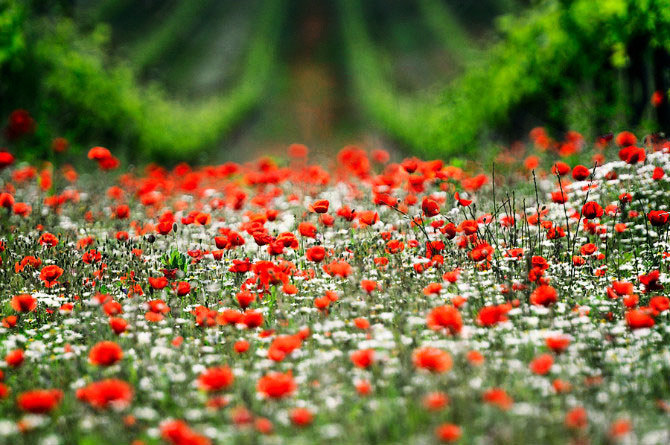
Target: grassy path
(196, 50)
(177, 25)
(210, 57)
(309, 101)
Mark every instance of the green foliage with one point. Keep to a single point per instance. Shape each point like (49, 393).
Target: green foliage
(177, 24)
(12, 41)
(93, 96)
(398, 115)
(175, 260)
(545, 55)
(448, 30)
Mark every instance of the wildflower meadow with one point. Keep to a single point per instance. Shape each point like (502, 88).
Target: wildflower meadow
(335, 222)
(278, 301)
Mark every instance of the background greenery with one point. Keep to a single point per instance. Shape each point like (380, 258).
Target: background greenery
(438, 77)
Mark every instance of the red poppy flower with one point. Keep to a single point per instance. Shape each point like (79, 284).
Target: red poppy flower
(492, 315)
(288, 239)
(625, 139)
(15, 358)
(6, 159)
(118, 325)
(298, 151)
(462, 201)
(216, 379)
(367, 217)
(432, 359)
(448, 433)
(498, 397)
(430, 207)
(651, 281)
(592, 210)
(658, 173)
(632, 154)
(363, 358)
(22, 209)
(60, 145)
(301, 417)
(107, 393)
(559, 197)
(656, 98)
(443, 317)
(619, 289)
(48, 239)
(320, 206)
(639, 318)
(276, 385)
(252, 319)
(338, 268)
(50, 274)
(183, 288)
(9, 321)
(6, 199)
(241, 346)
(541, 364)
(475, 358)
(410, 165)
(24, 303)
(282, 346)
(659, 303)
(178, 432)
(158, 283)
(229, 316)
(39, 401)
(560, 168)
(531, 162)
(580, 173)
(588, 249)
(99, 154)
(316, 254)
(432, 289)
(122, 212)
(158, 306)
(544, 295)
(20, 123)
(105, 353)
(369, 285)
(620, 428)
(245, 298)
(164, 227)
(658, 218)
(435, 401)
(346, 213)
(362, 323)
(576, 418)
(558, 343)
(91, 256)
(475, 183)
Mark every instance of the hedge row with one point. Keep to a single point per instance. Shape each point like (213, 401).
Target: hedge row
(92, 95)
(548, 52)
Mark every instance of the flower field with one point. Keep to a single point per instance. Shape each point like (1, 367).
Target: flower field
(367, 301)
